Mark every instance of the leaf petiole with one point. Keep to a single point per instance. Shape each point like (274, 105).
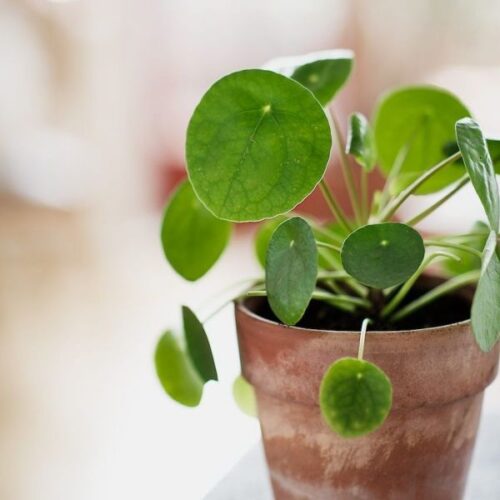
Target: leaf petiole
(447, 287)
(391, 208)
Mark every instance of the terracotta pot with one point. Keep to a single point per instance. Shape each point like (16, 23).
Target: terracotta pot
(424, 448)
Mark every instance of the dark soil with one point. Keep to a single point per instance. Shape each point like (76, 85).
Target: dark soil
(320, 316)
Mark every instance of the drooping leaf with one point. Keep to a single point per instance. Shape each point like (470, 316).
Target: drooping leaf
(468, 262)
(383, 255)
(361, 141)
(263, 237)
(421, 119)
(198, 345)
(244, 395)
(291, 269)
(480, 168)
(355, 397)
(192, 238)
(257, 144)
(324, 73)
(485, 314)
(177, 375)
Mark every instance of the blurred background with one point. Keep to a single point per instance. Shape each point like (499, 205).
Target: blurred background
(95, 96)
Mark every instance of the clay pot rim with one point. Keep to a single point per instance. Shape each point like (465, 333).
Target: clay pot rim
(243, 308)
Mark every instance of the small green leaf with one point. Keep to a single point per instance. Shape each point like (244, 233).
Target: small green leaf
(198, 346)
(263, 237)
(383, 255)
(355, 397)
(291, 269)
(192, 238)
(480, 168)
(468, 262)
(422, 119)
(257, 144)
(485, 314)
(176, 373)
(324, 73)
(244, 395)
(361, 141)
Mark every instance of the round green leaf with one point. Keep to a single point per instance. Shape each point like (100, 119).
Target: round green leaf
(324, 73)
(422, 119)
(485, 314)
(355, 397)
(244, 395)
(480, 168)
(257, 145)
(291, 269)
(263, 237)
(361, 141)
(198, 345)
(192, 238)
(176, 373)
(383, 255)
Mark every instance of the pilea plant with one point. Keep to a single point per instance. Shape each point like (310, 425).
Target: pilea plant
(258, 143)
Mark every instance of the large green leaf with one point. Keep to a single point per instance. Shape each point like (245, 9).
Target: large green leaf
(480, 168)
(421, 119)
(324, 73)
(291, 269)
(192, 238)
(355, 397)
(383, 255)
(361, 141)
(257, 144)
(485, 314)
(177, 375)
(198, 345)
(263, 237)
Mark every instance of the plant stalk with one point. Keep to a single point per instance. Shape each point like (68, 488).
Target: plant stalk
(455, 246)
(322, 244)
(403, 291)
(361, 348)
(346, 170)
(391, 208)
(447, 287)
(422, 215)
(334, 207)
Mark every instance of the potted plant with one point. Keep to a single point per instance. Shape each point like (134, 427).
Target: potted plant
(367, 371)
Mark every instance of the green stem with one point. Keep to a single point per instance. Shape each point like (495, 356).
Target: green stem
(340, 299)
(346, 170)
(422, 215)
(364, 195)
(334, 207)
(322, 244)
(364, 327)
(455, 246)
(391, 208)
(403, 291)
(447, 287)
(393, 173)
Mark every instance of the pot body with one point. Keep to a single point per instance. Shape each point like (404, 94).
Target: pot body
(424, 448)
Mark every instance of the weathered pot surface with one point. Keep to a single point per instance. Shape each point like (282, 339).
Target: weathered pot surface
(422, 451)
